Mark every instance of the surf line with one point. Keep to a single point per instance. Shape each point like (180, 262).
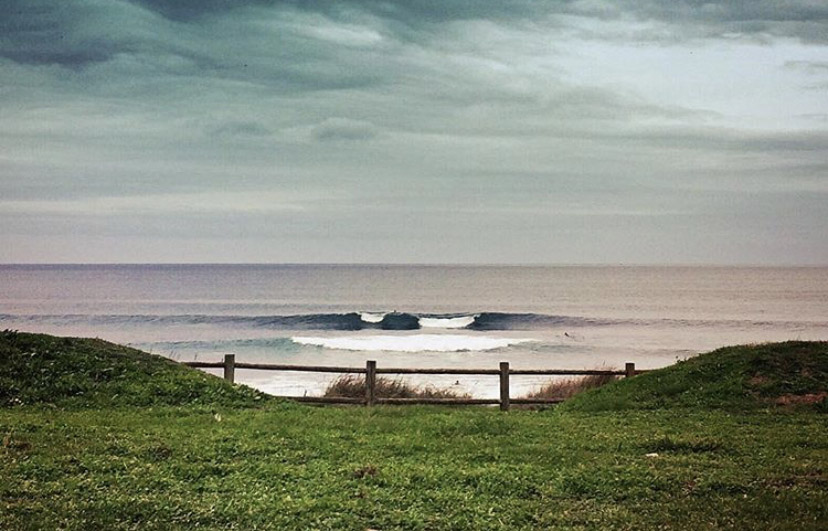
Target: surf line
(412, 343)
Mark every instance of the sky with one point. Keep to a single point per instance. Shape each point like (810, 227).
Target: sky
(414, 131)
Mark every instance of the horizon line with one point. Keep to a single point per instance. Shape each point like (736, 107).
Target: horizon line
(422, 264)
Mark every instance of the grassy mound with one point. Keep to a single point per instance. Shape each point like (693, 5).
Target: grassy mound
(70, 372)
(740, 377)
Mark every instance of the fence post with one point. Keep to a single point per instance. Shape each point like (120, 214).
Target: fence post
(229, 367)
(370, 382)
(629, 369)
(504, 386)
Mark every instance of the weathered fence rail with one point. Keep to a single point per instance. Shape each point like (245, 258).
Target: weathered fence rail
(229, 366)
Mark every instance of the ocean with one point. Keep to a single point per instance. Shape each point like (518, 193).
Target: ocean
(580, 317)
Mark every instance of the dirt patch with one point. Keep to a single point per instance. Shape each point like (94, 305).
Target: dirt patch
(809, 479)
(758, 380)
(13, 443)
(809, 398)
(365, 472)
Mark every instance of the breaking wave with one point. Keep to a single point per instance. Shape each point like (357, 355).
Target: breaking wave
(329, 321)
(447, 322)
(369, 317)
(412, 343)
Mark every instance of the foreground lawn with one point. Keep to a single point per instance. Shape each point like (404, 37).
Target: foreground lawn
(98, 436)
(287, 466)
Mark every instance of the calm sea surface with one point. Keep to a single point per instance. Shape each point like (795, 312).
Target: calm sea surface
(418, 316)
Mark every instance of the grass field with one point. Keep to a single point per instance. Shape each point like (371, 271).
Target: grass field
(737, 438)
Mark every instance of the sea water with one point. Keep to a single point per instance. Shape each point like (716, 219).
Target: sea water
(418, 316)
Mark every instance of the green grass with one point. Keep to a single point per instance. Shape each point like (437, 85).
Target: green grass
(738, 379)
(82, 373)
(78, 463)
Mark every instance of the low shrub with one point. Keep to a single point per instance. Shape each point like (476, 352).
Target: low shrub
(569, 387)
(352, 386)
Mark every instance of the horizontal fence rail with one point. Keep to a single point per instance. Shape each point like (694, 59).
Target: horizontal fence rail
(229, 365)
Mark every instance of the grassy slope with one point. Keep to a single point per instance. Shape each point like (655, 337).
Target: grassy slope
(70, 372)
(733, 378)
(285, 466)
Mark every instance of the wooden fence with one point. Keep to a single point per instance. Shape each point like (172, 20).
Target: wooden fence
(371, 371)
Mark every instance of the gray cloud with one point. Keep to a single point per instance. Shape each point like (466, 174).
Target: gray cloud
(240, 128)
(74, 33)
(801, 19)
(187, 10)
(334, 129)
(405, 11)
(78, 34)
(363, 130)
(812, 67)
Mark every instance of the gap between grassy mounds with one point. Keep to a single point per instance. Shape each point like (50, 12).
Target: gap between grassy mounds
(353, 386)
(71, 372)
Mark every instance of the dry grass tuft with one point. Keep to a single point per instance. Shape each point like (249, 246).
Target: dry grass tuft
(352, 386)
(571, 386)
(366, 472)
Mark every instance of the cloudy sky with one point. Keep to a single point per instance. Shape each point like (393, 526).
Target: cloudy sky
(427, 131)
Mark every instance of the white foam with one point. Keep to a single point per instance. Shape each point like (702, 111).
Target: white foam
(369, 317)
(412, 343)
(448, 322)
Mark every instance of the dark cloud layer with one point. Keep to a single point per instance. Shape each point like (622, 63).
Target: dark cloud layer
(407, 11)
(802, 18)
(74, 33)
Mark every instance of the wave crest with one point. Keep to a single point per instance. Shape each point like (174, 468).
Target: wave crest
(372, 318)
(447, 322)
(412, 343)
(484, 321)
